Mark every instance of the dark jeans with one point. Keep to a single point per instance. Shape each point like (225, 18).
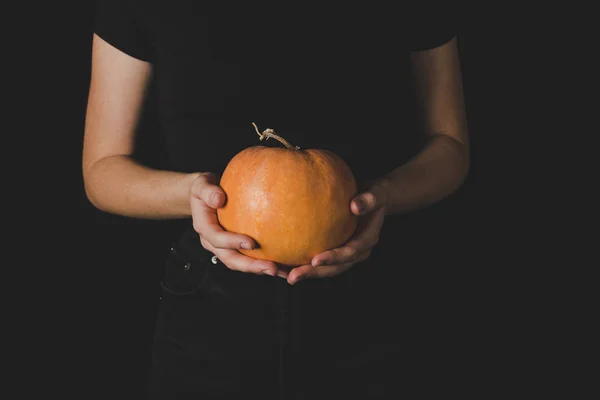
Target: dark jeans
(227, 334)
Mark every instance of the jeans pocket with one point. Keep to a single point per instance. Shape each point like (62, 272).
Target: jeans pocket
(184, 277)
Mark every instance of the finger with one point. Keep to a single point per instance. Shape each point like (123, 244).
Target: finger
(309, 272)
(341, 255)
(236, 261)
(206, 189)
(207, 225)
(364, 239)
(369, 200)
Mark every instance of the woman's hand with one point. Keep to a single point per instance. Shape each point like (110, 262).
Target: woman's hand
(206, 196)
(370, 206)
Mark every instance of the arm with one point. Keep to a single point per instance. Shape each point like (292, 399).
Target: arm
(434, 173)
(442, 165)
(114, 182)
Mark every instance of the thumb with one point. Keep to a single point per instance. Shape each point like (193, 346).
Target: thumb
(369, 200)
(206, 188)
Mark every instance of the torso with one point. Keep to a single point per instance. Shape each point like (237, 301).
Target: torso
(330, 79)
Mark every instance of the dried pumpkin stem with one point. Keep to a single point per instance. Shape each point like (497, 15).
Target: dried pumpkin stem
(270, 133)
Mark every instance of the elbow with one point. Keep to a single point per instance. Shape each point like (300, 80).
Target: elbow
(458, 161)
(91, 195)
(92, 192)
(457, 164)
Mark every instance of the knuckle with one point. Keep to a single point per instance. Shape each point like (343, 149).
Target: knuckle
(229, 265)
(370, 199)
(218, 242)
(333, 257)
(245, 267)
(197, 226)
(352, 252)
(256, 266)
(204, 242)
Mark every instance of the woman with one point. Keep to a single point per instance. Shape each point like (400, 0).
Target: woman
(351, 81)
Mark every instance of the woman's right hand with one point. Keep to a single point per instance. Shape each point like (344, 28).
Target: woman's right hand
(206, 196)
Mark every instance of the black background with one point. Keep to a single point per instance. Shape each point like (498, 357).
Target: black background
(121, 282)
(102, 275)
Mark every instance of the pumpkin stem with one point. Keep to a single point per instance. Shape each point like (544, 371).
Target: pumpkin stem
(268, 133)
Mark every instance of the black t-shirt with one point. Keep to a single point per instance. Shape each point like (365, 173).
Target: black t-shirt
(333, 78)
(326, 78)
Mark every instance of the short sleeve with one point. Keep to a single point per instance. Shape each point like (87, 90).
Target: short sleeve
(120, 23)
(433, 27)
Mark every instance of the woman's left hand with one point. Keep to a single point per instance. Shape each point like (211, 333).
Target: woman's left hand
(370, 206)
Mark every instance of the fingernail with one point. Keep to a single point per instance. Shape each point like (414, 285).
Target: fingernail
(282, 274)
(215, 198)
(360, 205)
(268, 272)
(246, 246)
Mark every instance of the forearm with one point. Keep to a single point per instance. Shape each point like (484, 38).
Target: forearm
(433, 174)
(120, 185)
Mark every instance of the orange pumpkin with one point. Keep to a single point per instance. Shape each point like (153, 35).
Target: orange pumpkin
(294, 203)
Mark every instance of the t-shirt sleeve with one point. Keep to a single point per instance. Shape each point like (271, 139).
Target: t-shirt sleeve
(434, 27)
(120, 23)
(431, 39)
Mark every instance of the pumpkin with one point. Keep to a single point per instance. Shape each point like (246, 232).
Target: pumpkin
(294, 203)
